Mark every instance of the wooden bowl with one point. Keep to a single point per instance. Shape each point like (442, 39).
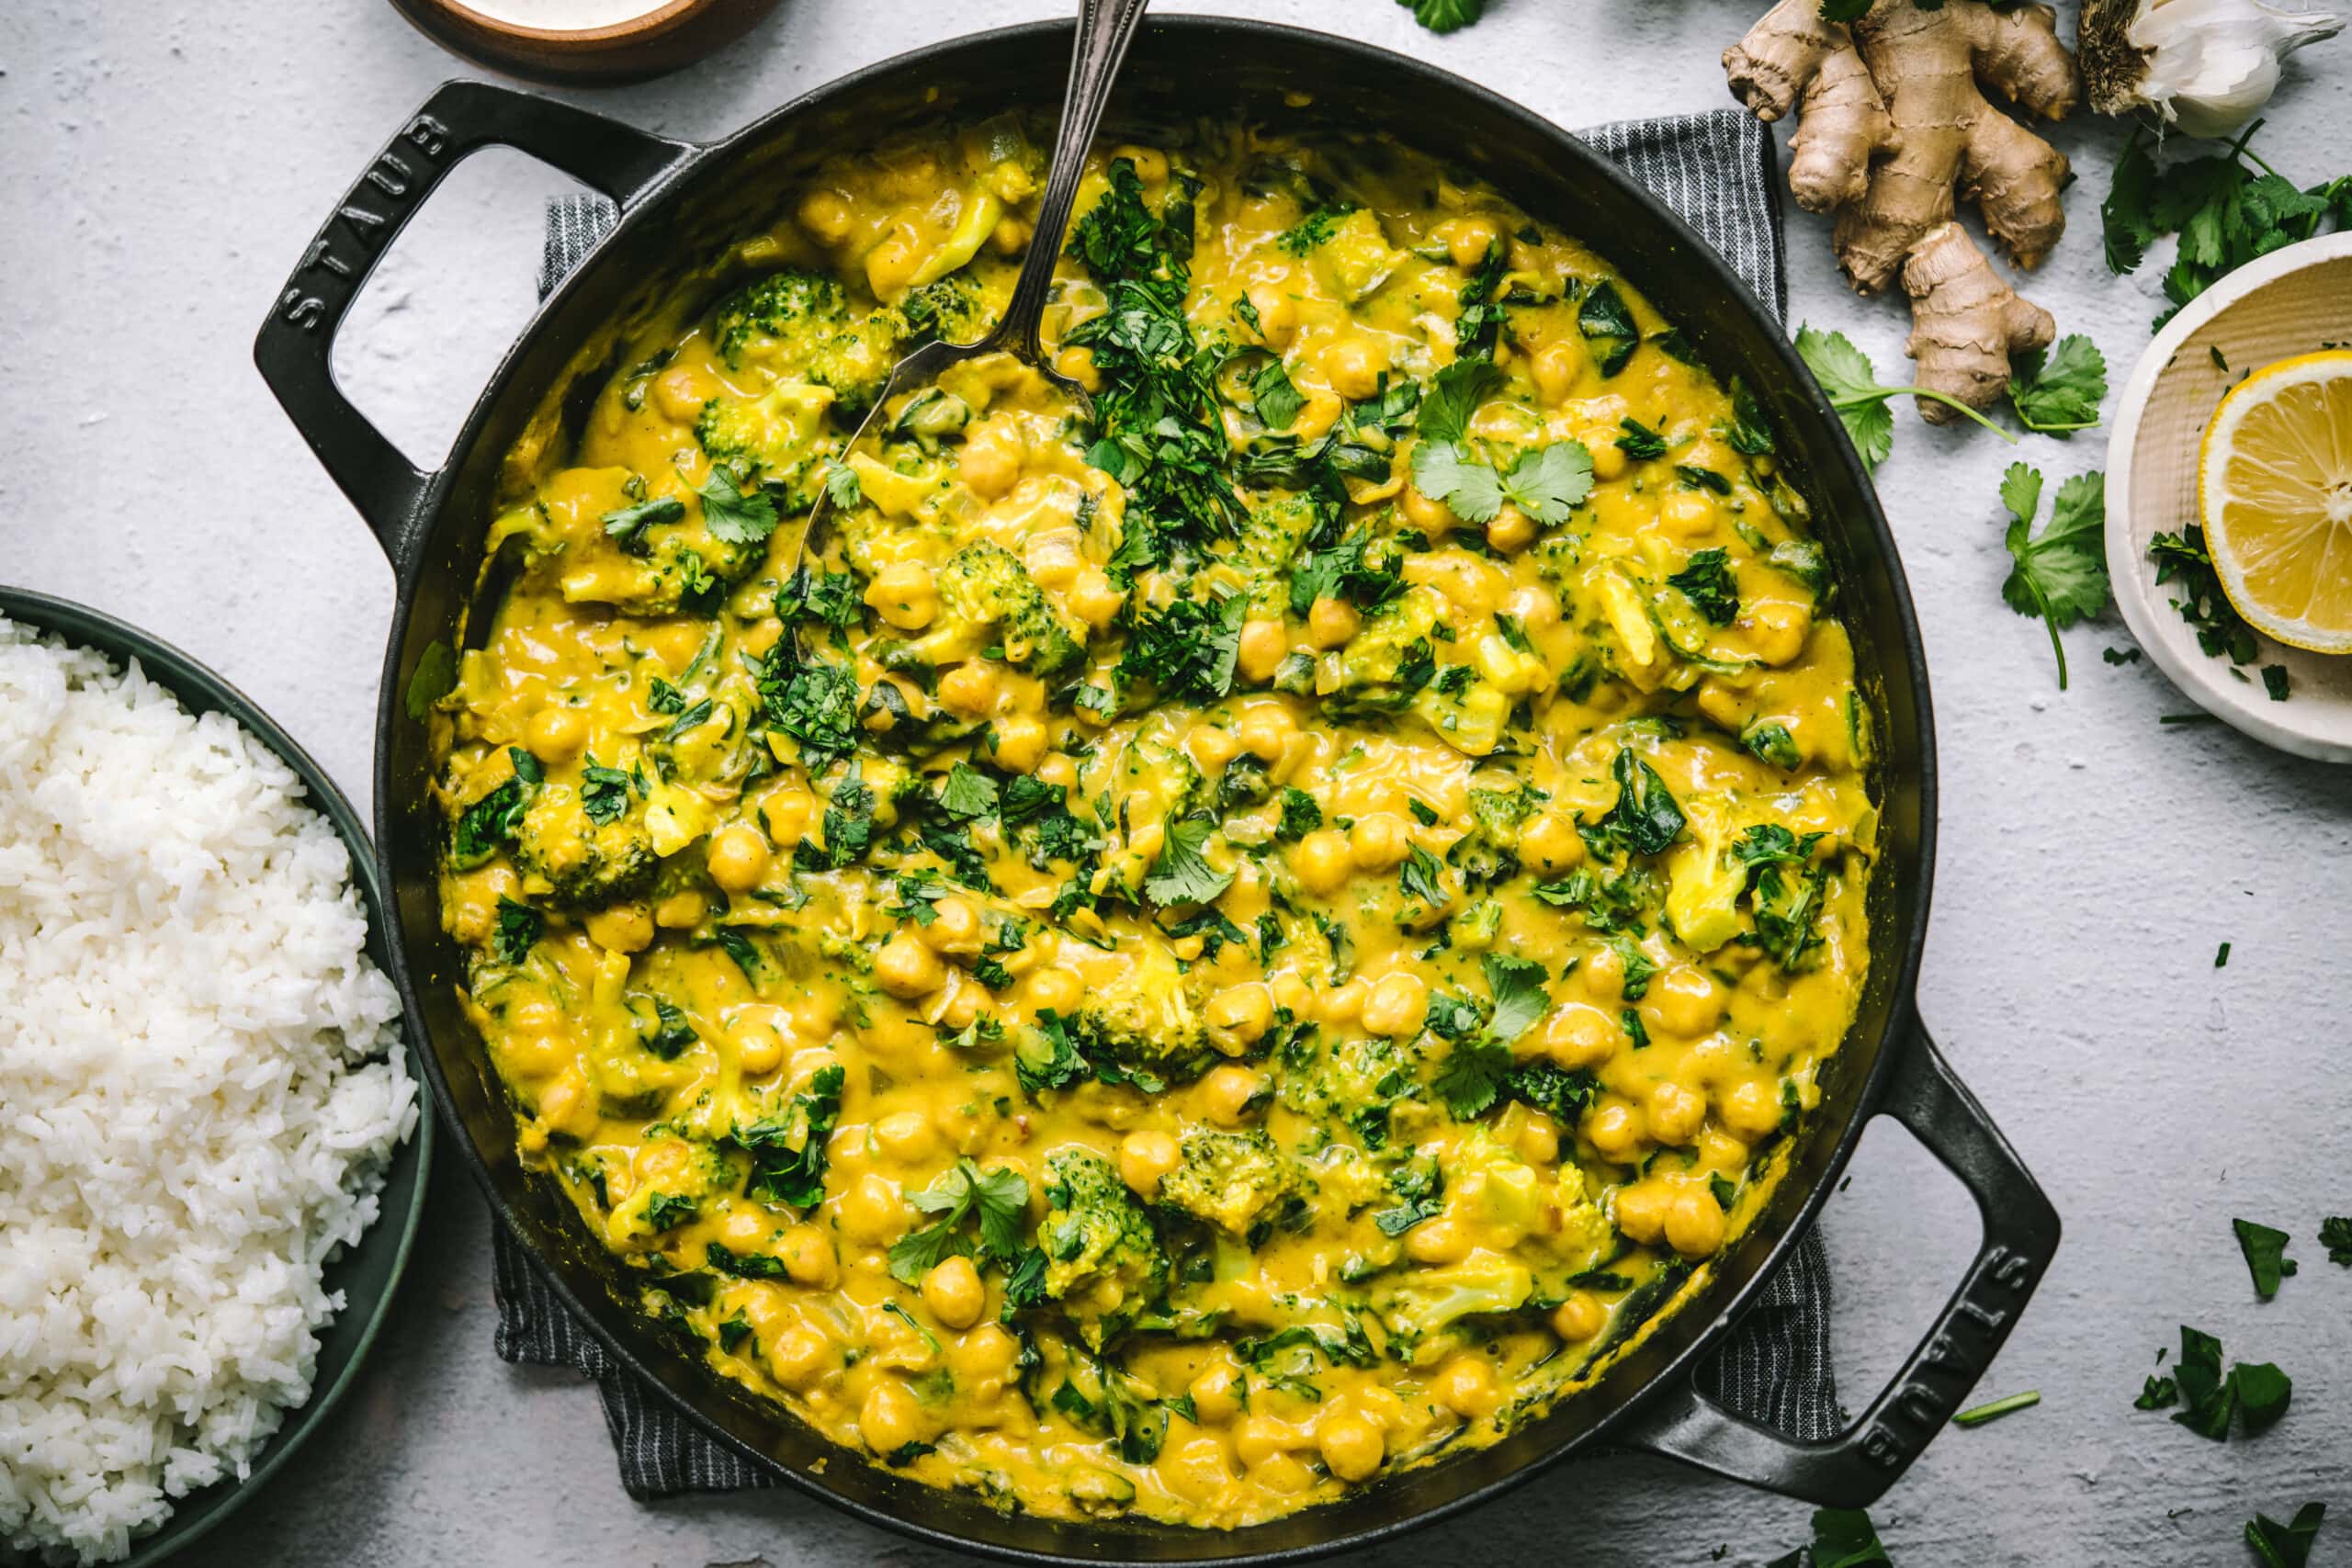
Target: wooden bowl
(2291, 301)
(665, 39)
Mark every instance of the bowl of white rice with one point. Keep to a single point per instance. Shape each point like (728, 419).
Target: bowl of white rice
(212, 1164)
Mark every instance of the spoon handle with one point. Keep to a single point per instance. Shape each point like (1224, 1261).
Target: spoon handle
(1105, 29)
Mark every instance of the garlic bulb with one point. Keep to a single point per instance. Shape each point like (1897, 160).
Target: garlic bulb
(2205, 65)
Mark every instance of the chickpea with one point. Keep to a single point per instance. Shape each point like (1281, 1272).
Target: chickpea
(1467, 241)
(557, 734)
(827, 215)
(1465, 1385)
(679, 394)
(904, 593)
(1778, 629)
(906, 1136)
(971, 687)
(1010, 237)
(1397, 1005)
(1277, 315)
(1094, 598)
(1437, 1241)
(1427, 514)
(1694, 1225)
(891, 265)
(1151, 166)
(1351, 1447)
(1265, 731)
(1263, 1438)
(680, 911)
(872, 1211)
(569, 1106)
(1379, 841)
(1511, 530)
(1539, 1141)
(743, 1230)
(987, 1352)
(1245, 1011)
(758, 1050)
(1353, 366)
(1608, 458)
(1579, 1317)
(891, 1418)
(1687, 1000)
(1330, 622)
(1322, 861)
(1688, 512)
(1144, 1157)
(963, 1004)
(1616, 1129)
(807, 1254)
(624, 928)
(1261, 651)
(1604, 974)
(1640, 1209)
(1551, 842)
(1751, 1110)
(989, 464)
(1556, 368)
(1078, 364)
(1056, 990)
(1344, 1003)
(1226, 1093)
(1020, 743)
(737, 857)
(954, 926)
(798, 1355)
(1216, 1394)
(1537, 608)
(953, 1291)
(1675, 1113)
(907, 969)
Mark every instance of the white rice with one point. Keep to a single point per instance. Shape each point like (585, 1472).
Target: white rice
(200, 1090)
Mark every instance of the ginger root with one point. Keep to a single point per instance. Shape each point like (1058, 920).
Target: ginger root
(1891, 123)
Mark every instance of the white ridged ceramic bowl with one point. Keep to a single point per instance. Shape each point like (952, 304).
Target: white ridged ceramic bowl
(2290, 302)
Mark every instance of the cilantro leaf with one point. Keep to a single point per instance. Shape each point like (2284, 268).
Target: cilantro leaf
(1183, 875)
(2157, 1393)
(2058, 391)
(1189, 648)
(1517, 986)
(1278, 401)
(1638, 441)
(2335, 1235)
(519, 927)
(1300, 815)
(731, 516)
(1422, 876)
(603, 793)
(1645, 818)
(999, 1198)
(1454, 395)
(2182, 558)
(1608, 328)
(2288, 1545)
(1472, 1079)
(969, 794)
(842, 490)
(1445, 15)
(1845, 1538)
(1707, 580)
(2265, 1255)
(1852, 383)
(2060, 574)
(628, 526)
(1545, 484)
(1469, 488)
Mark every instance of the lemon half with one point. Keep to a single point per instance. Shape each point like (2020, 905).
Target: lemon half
(2275, 488)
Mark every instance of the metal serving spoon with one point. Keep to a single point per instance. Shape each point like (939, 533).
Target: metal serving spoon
(1106, 28)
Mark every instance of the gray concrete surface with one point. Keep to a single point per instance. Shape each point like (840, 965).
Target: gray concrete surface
(162, 163)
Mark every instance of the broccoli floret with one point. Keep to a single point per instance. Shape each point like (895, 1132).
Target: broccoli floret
(952, 309)
(986, 585)
(585, 864)
(1146, 1019)
(1103, 1260)
(799, 324)
(1705, 882)
(1420, 1306)
(1231, 1180)
(1389, 660)
(1271, 536)
(1489, 853)
(779, 438)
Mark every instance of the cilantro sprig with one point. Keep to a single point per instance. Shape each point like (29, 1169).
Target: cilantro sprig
(999, 1200)
(1545, 483)
(2059, 574)
(1845, 373)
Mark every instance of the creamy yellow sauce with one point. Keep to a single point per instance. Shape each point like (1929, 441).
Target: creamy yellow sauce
(1211, 946)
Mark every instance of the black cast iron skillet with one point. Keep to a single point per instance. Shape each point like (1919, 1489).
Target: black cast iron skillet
(680, 204)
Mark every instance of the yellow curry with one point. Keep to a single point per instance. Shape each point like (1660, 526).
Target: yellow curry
(1220, 936)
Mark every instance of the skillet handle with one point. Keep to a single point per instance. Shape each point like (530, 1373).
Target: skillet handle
(294, 343)
(1854, 1469)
